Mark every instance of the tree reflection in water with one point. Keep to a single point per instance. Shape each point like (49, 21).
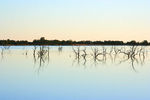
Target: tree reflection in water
(41, 54)
(117, 55)
(3, 49)
(92, 55)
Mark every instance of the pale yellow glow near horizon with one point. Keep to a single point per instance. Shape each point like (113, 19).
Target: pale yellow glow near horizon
(83, 32)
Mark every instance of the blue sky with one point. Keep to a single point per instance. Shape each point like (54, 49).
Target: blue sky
(75, 19)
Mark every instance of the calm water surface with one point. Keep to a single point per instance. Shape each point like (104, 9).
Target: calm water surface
(64, 76)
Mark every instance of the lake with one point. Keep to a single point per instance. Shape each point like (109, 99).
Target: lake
(75, 73)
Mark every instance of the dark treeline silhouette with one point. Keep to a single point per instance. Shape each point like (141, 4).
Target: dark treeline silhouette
(43, 41)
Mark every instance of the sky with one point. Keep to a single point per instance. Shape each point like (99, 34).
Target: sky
(123, 20)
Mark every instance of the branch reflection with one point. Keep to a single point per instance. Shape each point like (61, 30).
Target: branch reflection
(41, 54)
(117, 55)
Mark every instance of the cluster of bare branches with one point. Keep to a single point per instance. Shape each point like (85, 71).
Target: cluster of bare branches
(34, 51)
(3, 48)
(77, 52)
(2, 52)
(80, 53)
(60, 48)
(41, 53)
(132, 54)
(117, 54)
(97, 52)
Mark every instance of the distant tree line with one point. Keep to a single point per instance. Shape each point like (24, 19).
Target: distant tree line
(43, 41)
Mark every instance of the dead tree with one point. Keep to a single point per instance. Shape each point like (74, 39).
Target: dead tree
(84, 53)
(77, 52)
(34, 50)
(95, 53)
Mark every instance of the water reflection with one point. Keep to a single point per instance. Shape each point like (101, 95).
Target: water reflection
(80, 54)
(117, 55)
(3, 49)
(90, 55)
(2, 53)
(98, 77)
(41, 54)
(60, 48)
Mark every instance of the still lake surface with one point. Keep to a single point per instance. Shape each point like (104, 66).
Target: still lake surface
(64, 76)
